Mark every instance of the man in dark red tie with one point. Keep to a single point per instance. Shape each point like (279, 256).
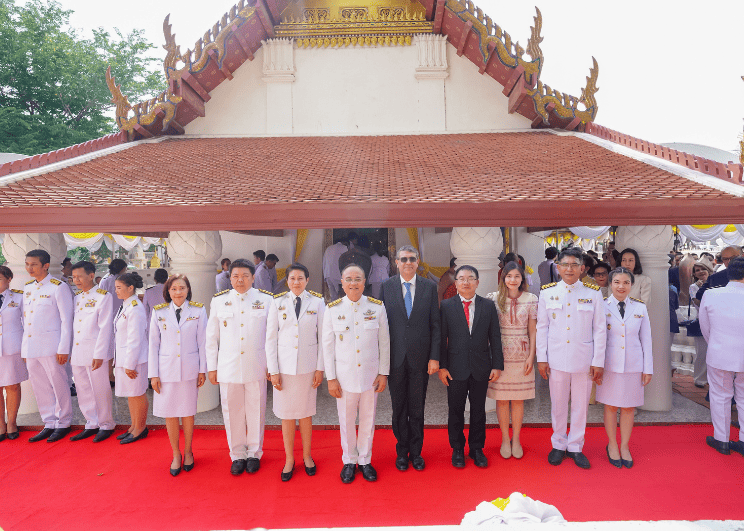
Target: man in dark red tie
(471, 357)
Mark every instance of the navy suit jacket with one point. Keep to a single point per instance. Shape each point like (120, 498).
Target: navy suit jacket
(716, 280)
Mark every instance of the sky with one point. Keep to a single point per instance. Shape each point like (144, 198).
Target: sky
(669, 70)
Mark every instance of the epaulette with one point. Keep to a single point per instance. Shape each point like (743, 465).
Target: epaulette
(375, 301)
(334, 303)
(30, 282)
(222, 292)
(78, 292)
(55, 281)
(196, 304)
(102, 291)
(591, 286)
(266, 292)
(282, 294)
(316, 294)
(637, 300)
(134, 303)
(17, 291)
(546, 286)
(606, 297)
(160, 306)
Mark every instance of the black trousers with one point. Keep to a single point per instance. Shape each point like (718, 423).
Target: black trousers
(457, 393)
(408, 395)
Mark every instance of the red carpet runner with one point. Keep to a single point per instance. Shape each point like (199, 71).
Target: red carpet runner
(108, 486)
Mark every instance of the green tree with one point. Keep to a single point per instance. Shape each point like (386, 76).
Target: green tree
(53, 90)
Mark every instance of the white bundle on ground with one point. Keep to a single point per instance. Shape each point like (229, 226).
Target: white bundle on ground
(516, 509)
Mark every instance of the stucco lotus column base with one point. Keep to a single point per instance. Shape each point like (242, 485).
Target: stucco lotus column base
(652, 243)
(15, 247)
(195, 255)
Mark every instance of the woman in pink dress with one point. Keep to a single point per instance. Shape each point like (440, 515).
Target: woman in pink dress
(517, 309)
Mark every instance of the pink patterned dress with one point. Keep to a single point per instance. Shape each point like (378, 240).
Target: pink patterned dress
(513, 384)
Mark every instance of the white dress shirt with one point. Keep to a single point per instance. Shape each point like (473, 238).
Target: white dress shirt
(471, 310)
(413, 288)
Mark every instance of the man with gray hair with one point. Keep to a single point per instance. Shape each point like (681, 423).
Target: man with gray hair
(412, 306)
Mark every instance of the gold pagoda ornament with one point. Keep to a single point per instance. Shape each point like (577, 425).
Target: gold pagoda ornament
(341, 23)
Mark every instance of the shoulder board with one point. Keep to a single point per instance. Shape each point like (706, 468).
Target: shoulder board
(334, 303)
(160, 306)
(375, 301)
(266, 292)
(30, 282)
(102, 291)
(591, 286)
(17, 291)
(637, 300)
(282, 294)
(546, 286)
(78, 292)
(196, 304)
(55, 281)
(606, 297)
(134, 303)
(222, 292)
(315, 294)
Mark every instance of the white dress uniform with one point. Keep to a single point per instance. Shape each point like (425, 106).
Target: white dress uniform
(222, 281)
(571, 338)
(153, 296)
(12, 368)
(108, 283)
(294, 350)
(331, 273)
(47, 331)
(236, 349)
(178, 354)
(356, 348)
(131, 348)
(93, 333)
(721, 321)
(265, 278)
(380, 273)
(628, 356)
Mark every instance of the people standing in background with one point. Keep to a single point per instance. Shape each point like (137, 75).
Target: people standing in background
(67, 271)
(446, 280)
(547, 270)
(154, 295)
(222, 280)
(600, 273)
(266, 278)
(258, 257)
(642, 286)
(331, 271)
(380, 270)
(720, 278)
(701, 271)
(116, 267)
(12, 367)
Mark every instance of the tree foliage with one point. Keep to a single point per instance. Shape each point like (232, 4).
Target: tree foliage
(53, 90)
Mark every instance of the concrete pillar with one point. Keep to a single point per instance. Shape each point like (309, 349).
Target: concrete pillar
(15, 247)
(195, 254)
(431, 71)
(278, 74)
(652, 244)
(532, 248)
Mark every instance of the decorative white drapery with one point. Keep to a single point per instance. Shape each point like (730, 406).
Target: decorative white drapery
(729, 234)
(93, 241)
(589, 233)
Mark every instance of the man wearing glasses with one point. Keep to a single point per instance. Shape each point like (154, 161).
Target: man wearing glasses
(571, 341)
(471, 357)
(356, 350)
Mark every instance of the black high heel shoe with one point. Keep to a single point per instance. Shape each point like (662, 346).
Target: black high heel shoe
(130, 439)
(310, 470)
(189, 468)
(13, 435)
(286, 476)
(614, 462)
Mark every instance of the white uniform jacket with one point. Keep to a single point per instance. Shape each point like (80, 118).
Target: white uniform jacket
(93, 327)
(47, 318)
(236, 335)
(178, 350)
(293, 346)
(222, 281)
(356, 343)
(571, 327)
(11, 323)
(629, 338)
(722, 321)
(153, 296)
(131, 338)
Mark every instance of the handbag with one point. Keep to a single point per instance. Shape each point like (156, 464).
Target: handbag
(692, 325)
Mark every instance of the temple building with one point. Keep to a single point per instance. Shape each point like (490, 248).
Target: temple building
(422, 122)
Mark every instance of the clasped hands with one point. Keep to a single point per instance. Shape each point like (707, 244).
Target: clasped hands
(379, 385)
(595, 373)
(445, 376)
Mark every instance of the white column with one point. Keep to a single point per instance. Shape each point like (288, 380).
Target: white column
(15, 247)
(652, 244)
(532, 248)
(480, 248)
(278, 74)
(195, 254)
(431, 71)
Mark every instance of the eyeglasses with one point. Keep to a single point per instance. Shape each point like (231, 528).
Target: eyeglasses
(405, 259)
(353, 280)
(466, 280)
(599, 274)
(571, 265)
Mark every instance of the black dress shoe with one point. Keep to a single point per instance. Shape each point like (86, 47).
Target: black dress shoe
(458, 458)
(13, 435)
(238, 467)
(401, 462)
(43, 434)
(252, 465)
(122, 436)
(348, 473)
(368, 472)
(84, 434)
(311, 470)
(131, 439)
(627, 464)
(477, 455)
(720, 446)
(58, 434)
(418, 462)
(102, 435)
(734, 446)
(188, 468)
(580, 459)
(73, 390)
(555, 457)
(614, 462)
(286, 476)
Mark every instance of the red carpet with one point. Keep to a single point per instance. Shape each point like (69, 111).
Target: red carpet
(109, 486)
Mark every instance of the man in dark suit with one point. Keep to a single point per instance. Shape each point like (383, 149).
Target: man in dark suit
(719, 279)
(471, 357)
(412, 306)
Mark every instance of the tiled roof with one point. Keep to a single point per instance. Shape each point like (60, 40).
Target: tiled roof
(539, 171)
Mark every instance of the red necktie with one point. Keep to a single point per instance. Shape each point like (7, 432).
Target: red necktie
(467, 311)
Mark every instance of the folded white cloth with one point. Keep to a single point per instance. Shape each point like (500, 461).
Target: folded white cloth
(516, 509)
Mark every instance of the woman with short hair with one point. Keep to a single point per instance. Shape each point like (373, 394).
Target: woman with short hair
(630, 260)
(12, 366)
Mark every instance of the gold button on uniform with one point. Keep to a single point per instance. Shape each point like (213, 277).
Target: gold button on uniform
(568, 328)
(567, 341)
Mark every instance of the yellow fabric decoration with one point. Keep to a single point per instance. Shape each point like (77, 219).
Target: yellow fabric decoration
(299, 244)
(424, 268)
